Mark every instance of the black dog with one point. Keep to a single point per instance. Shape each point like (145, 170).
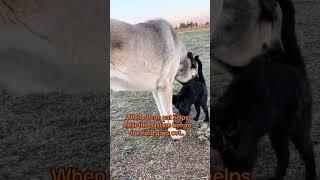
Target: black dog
(193, 92)
(271, 99)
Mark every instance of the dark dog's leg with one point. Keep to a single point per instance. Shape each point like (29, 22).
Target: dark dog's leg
(197, 106)
(303, 142)
(205, 109)
(186, 111)
(305, 148)
(280, 145)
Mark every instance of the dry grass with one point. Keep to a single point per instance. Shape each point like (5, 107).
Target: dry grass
(194, 29)
(152, 157)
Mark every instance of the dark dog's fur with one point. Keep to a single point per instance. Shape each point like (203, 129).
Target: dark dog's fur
(193, 92)
(270, 96)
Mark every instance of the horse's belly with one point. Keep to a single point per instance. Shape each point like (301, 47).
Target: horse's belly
(120, 81)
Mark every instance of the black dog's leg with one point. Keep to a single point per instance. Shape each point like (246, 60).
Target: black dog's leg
(205, 109)
(305, 147)
(280, 145)
(197, 106)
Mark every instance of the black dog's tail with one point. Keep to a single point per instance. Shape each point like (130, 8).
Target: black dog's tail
(200, 73)
(288, 35)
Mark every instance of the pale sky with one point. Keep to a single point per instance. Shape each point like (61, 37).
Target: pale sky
(175, 11)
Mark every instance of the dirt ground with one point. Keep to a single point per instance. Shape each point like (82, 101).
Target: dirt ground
(56, 130)
(158, 157)
(308, 32)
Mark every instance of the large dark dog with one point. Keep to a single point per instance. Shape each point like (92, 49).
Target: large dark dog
(193, 92)
(271, 99)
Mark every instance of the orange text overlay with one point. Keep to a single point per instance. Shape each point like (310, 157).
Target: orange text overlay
(154, 118)
(230, 175)
(65, 173)
(163, 125)
(154, 133)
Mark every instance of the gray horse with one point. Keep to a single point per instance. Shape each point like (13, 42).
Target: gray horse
(149, 57)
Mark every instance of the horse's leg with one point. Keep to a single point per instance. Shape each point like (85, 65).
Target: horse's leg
(165, 99)
(157, 100)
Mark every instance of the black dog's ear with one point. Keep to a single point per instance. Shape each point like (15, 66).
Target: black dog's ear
(197, 57)
(268, 10)
(193, 62)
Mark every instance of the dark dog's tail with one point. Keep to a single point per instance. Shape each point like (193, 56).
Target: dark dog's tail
(288, 35)
(200, 73)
